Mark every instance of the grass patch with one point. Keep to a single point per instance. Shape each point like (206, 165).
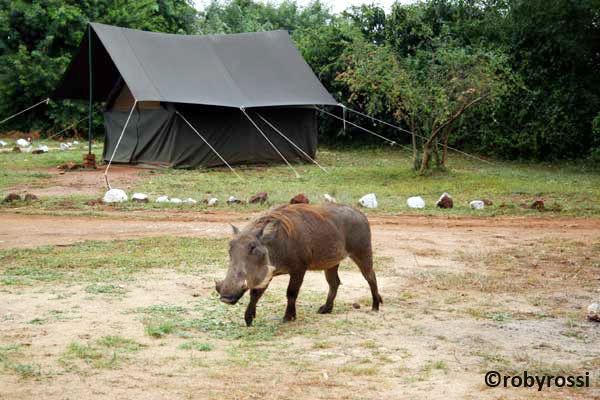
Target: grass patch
(11, 357)
(105, 289)
(101, 261)
(568, 188)
(107, 352)
(195, 345)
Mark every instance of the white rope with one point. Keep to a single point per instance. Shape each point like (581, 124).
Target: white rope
(67, 128)
(393, 143)
(27, 109)
(117, 146)
(208, 144)
(271, 143)
(416, 134)
(292, 143)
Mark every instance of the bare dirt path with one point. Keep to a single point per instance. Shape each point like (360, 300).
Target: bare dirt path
(37, 230)
(461, 296)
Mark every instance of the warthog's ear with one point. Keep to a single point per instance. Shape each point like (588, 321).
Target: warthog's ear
(268, 232)
(235, 229)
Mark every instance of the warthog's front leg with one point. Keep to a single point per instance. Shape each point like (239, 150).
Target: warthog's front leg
(255, 295)
(296, 279)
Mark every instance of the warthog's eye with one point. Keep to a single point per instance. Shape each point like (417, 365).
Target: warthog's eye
(251, 247)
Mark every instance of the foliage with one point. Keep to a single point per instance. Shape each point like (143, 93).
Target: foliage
(38, 39)
(427, 91)
(543, 56)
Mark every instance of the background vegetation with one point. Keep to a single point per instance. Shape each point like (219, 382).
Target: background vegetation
(534, 63)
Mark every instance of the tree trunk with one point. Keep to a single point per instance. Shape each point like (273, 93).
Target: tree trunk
(446, 134)
(426, 157)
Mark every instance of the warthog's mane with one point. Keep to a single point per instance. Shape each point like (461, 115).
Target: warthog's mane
(289, 214)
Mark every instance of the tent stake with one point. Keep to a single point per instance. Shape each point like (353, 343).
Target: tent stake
(292, 143)
(271, 143)
(208, 144)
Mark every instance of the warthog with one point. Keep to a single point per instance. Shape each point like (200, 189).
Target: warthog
(292, 239)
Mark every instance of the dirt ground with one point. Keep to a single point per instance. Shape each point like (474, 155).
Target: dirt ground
(461, 296)
(84, 182)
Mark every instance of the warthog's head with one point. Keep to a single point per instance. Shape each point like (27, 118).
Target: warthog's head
(248, 266)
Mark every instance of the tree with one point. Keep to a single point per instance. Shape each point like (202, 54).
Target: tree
(38, 39)
(428, 91)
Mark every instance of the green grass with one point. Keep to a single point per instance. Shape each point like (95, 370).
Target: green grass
(195, 345)
(104, 263)
(569, 189)
(106, 352)
(11, 360)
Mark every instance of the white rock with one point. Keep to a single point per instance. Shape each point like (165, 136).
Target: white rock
(75, 142)
(64, 146)
(415, 202)
(139, 197)
(175, 200)
(213, 201)
(23, 143)
(189, 200)
(477, 205)
(28, 149)
(114, 196)
(329, 199)
(594, 312)
(3, 143)
(232, 200)
(162, 199)
(43, 148)
(368, 201)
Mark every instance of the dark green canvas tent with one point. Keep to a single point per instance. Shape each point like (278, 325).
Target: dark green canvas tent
(206, 82)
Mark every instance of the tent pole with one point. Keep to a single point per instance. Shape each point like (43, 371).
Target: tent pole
(208, 144)
(271, 143)
(90, 89)
(292, 143)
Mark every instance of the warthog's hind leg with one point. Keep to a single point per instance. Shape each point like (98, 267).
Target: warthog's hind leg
(333, 279)
(255, 295)
(296, 279)
(364, 260)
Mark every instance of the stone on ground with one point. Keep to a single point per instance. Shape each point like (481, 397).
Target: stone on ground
(212, 201)
(477, 205)
(445, 201)
(114, 196)
(538, 204)
(299, 199)
(415, 202)
(175, 200)
(594, 312)
(23, 143)
(234, 200)
(30, 197)
(259, 198)
(329, 199)
(139, 197)
(189, 200)
(12, 197)
(368, 200)
(162, 199)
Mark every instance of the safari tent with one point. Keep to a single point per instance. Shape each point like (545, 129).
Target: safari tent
(187, 100)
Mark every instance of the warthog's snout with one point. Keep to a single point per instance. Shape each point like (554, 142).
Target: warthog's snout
(227, 297)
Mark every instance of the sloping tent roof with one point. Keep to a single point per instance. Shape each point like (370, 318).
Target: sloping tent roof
(259, 69)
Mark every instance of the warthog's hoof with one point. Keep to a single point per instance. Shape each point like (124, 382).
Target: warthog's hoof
(289, 318)
(325, 309)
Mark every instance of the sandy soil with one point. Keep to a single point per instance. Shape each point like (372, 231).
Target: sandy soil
(423, 322)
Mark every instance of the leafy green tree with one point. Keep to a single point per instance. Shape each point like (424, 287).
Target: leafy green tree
(38, 39)
(427, 91)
